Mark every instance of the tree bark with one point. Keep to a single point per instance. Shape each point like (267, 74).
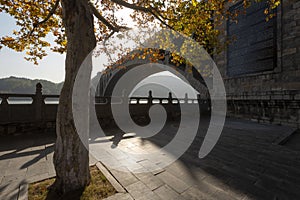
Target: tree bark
(71, 158)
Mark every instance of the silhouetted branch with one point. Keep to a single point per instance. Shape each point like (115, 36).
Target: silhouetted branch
(114, 28)
(52, 11)
(150, 10)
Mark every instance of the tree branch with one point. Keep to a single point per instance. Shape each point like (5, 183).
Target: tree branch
(101, 18)
(143, 9)
(104, 21)
(52, 11)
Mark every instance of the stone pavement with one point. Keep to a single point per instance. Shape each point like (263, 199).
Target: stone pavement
(23, 159)
(246, 163)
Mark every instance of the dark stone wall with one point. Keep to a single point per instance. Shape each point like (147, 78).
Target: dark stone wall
(254, 46)
(281, 81)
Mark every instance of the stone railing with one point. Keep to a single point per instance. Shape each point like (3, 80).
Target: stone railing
(140, 106)
(27, 112)
(21, 113)
(275, 107)
(27, 107)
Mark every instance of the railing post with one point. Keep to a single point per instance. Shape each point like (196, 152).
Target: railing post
(4, 109)
(186, 97)
(38, 102)
(170, 97)
(198, 98)
(4, 100)
(150, 97)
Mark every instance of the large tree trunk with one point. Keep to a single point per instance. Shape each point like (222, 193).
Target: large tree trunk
(71, 158)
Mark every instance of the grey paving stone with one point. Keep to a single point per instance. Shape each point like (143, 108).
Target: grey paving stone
(92, 160)
(206, 188)
(13, 195)
(284, 191)
(17, 175)
(179, 170)
(51, 168)
(118, 154)
(223, 186)
(195, 194)
(139, 190)
(37, 168)
(10, 190)
(15, 165)
(250, 190)
(110, 161)
(151, 167)
(151, 181)
(166, 193)
(149, 196)
(99, 152)
(38, 177)
(3, 167)
(132, 165)
(1, 178)
(174, 182)
(125, 178)
(23, 192)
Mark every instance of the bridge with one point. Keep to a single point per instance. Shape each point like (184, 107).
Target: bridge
(112, 74)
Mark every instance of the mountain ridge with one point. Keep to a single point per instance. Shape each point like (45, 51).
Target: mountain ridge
(20, 85)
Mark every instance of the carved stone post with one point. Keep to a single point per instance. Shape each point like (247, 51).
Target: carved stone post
(186, 97)
(150, 97)
(199, 98)
(4, 100)
(170, 97)
(4, 109)
(38, 102)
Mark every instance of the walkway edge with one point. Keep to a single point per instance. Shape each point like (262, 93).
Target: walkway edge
(110, 178)
(283, 138)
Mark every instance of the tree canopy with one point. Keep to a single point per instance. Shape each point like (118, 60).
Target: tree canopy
(37, 19)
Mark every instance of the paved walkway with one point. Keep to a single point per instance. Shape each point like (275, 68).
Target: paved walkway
(247, 163)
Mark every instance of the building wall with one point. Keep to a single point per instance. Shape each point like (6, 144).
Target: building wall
(281, 86)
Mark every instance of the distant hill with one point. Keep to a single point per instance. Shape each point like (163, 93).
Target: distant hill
(27, 86)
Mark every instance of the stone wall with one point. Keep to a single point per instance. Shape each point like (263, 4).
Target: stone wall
(40, 117)
(255, 91)
(29, 113)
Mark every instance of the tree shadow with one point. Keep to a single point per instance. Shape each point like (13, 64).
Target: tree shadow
(23, 146)
(244, 161)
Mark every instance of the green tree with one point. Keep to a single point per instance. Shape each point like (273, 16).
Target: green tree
(76, 32)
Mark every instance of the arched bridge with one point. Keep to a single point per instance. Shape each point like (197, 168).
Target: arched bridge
(112, 75)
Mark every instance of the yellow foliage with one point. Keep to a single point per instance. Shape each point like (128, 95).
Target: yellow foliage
(194, 18)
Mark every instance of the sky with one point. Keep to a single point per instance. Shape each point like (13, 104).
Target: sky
(13, 63)
(50, 67)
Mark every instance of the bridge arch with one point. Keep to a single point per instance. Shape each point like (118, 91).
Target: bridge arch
(111, 76)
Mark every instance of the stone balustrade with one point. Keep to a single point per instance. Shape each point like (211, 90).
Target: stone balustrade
(21, 113)
(275, 107)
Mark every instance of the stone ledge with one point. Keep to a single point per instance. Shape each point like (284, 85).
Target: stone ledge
(110, 178)
(23, 188)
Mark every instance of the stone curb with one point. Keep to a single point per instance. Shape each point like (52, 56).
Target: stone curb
(283, 138)
(110, 178)
(23, 192)
(23, 188)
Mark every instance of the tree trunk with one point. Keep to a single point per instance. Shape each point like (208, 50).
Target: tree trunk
(71, 157)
